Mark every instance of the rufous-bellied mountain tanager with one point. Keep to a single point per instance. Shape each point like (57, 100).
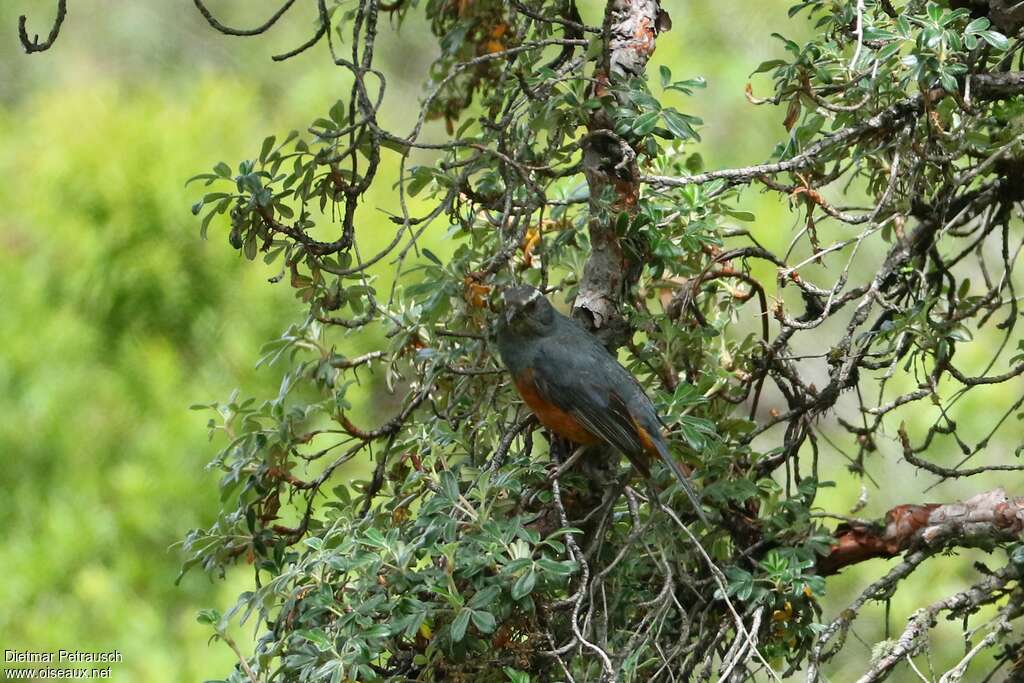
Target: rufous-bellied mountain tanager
(576, 388)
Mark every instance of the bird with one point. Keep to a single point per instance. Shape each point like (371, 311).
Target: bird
(576, 387)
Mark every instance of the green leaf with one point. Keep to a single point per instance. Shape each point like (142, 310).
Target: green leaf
(645, 123)
(460, 624)
(948, 82)
(960, 333)
(745, 216)
(250, 246)
(377, 631)
(484, 621)
(1016, 553)
(517, 564)
(374, 538)
(315, 636)
(695, 163)
(449, 485)
(205, 225)
(208, 616)
(873, 33)
(666, 75)
(208, 177)
(768, 66)
(678, 125)
(338, 112)
(978, 25)
(689, 85)
(485, 597)
(516, 676)
(888, 51)
(421, 175)
(268, 145)
(524, 585)
(995, 39)
(554, 567)
(432, 256)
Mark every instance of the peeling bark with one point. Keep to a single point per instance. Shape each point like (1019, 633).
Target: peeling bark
(609, 162)
(982, 521)
(631, 28)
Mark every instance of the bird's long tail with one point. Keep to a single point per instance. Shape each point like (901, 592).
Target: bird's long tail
(684, 481)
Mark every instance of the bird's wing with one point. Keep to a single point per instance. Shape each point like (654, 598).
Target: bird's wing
(597, 406)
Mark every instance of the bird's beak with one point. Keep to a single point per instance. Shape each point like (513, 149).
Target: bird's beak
(506, 308)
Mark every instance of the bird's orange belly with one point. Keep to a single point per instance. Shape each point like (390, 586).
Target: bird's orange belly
(550, 415)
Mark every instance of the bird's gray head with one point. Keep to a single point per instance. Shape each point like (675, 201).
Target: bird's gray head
(527, 312)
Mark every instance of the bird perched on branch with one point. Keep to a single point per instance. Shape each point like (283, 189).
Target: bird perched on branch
(576, 388)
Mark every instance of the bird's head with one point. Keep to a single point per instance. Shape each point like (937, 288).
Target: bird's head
(527, 312)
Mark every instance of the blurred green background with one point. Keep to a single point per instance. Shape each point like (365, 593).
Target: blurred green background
(115, 316)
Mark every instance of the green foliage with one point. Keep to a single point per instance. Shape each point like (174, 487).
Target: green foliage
(461, 553)
(116, 317)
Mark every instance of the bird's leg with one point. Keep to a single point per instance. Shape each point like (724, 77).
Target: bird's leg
(568, 464)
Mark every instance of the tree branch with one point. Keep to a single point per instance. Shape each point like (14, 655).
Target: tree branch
(231, 31)
(34, 44)
(984, 520)
(982, 87)
(983, 592)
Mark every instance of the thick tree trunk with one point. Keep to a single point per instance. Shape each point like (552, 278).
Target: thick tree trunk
(609, 161)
